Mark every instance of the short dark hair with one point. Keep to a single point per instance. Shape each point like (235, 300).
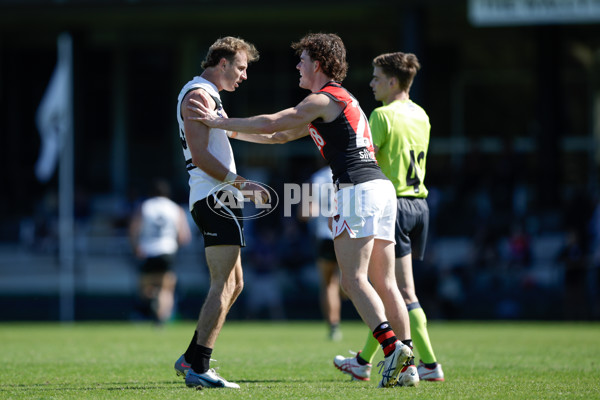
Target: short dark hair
(160, 188)
(403, 66)
(227, 47)
(328, 49)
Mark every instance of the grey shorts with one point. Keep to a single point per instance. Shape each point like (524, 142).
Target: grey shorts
(412, 226)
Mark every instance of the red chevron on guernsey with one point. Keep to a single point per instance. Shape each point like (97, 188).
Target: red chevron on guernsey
(345, 142)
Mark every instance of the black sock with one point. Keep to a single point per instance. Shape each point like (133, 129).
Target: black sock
(431, 365)
(189, 353)
(360, 360)
(201, 361)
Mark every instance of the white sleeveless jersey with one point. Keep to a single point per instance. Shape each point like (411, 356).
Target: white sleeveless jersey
(202, 184)
(158, 233)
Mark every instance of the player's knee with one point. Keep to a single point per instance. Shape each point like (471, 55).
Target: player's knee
(234, 287)
(238, 287)
(350, 284)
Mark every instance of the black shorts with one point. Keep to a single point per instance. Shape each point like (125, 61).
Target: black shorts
(156, 265)
(412, 226)
(220, 223)
(325, 250)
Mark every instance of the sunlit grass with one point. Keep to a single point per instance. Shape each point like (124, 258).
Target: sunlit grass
(293, 360)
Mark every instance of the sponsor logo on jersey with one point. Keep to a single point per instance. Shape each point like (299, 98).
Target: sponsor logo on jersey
(365, 155)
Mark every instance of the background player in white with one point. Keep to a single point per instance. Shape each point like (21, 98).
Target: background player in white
(211, 166)
(157, 229)
(364, 224)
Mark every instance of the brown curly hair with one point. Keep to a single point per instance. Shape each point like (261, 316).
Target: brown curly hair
(227, 47)
(403, 66)
(328, 49)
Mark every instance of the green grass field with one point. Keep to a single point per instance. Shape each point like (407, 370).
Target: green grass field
(293, 360)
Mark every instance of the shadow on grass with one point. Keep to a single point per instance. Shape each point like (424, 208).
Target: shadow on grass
(123, 386)
(93, 386)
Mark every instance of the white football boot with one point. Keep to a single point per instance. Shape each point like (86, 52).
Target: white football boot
(408, 376)
(350, 366)
(391, 366)
(430, 374)
(209, 379)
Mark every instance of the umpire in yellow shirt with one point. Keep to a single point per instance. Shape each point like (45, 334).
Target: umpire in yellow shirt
(400, 130)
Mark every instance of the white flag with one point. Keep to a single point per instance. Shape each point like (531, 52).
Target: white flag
(53, 117)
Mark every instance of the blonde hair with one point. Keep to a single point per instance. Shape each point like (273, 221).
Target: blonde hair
(227, 47)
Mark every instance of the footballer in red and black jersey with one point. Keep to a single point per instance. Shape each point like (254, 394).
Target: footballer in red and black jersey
(346, 142)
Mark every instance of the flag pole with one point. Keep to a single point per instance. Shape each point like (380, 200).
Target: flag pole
(66, 196)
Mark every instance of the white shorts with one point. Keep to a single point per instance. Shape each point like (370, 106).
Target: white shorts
(366, 209)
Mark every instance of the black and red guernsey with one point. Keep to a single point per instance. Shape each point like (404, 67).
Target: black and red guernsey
(346, 142)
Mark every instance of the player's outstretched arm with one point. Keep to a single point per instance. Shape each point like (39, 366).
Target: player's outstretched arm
(290, 119)
(273, 138)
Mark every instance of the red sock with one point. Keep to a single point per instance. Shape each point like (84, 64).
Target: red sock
(386, 337)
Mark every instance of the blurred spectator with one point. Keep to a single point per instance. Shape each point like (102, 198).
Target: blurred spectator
(295, 253)
(594, 272)
(573, 260)
(263, 289)
(450, 293)
(519, 244)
